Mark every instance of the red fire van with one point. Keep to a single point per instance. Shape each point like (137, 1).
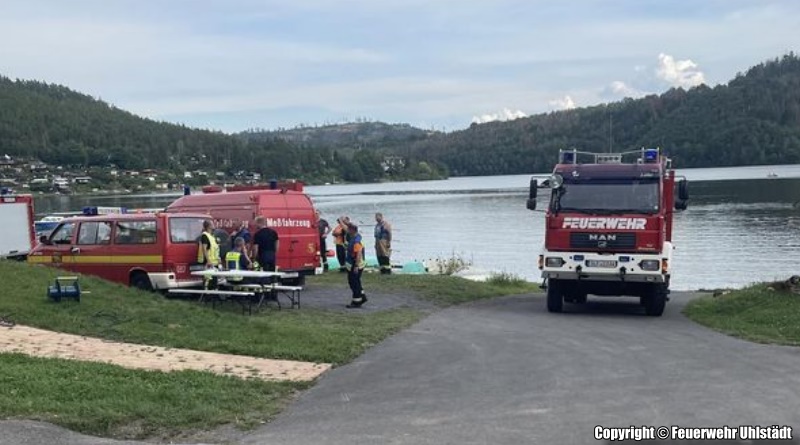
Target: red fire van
(147, 250)
(290, 212)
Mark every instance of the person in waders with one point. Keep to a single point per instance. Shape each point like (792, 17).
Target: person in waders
(383, 243)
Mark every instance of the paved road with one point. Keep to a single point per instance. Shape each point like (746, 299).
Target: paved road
(507, 372)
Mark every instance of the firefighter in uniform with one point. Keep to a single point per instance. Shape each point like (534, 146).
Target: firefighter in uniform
(355, 264)
(383, 243)
(208, 251)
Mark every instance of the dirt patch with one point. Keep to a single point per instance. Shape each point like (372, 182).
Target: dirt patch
(49, 344)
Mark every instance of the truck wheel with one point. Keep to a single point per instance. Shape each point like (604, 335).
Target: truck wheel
(140, 280)
(555, 296)
(655, 301)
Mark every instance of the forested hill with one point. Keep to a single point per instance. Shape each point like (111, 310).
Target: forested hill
(56, 125)
(59, 126)
(754, 119)
(359, 134)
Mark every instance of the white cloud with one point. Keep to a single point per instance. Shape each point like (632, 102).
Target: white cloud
(679, 73)
(504, 115)
(619, 88)
(565, 103)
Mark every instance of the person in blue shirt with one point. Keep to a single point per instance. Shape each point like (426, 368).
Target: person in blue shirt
(242, 232)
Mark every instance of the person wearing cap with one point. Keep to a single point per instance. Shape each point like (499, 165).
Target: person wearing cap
(355, 264)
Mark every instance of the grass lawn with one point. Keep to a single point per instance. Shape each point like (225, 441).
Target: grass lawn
(120, 313)
(442, 290)
(111, 401)
(755, 313)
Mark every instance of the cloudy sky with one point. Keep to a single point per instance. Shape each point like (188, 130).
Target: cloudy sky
(237, 64)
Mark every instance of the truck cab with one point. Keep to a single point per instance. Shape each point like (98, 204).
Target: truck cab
(609, 227)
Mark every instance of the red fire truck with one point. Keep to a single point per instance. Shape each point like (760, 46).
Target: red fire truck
(608, 227)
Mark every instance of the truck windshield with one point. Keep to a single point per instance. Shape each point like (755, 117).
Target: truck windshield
(608, 196)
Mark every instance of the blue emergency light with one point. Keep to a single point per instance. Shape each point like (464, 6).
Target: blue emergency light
(651, 155)
(567, 157)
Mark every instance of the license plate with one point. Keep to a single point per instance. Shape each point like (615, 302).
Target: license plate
(601, 263)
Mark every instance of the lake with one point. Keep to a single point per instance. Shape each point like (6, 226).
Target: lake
(741, 226)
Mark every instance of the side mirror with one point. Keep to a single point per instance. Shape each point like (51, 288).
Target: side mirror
(681, 205)
(683, 190)
(43, 239)
(534, 189)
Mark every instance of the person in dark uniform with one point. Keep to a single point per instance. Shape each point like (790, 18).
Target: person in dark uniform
(265, 245)
(324, 230)
(355, 264)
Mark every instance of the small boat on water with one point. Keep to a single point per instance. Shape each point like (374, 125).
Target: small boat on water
(772, 175)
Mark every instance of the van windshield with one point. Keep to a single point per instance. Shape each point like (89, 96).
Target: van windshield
(185, 230)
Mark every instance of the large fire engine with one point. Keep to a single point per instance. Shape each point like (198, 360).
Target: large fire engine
(608, 227)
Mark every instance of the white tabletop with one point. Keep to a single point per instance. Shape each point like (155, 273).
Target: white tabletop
(237, 273)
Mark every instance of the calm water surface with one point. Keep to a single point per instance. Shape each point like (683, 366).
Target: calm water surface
(740, 227)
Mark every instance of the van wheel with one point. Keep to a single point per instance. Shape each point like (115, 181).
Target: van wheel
(140, 280)
(655, 300)
(555, 296)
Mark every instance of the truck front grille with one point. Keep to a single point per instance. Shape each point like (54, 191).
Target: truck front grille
(602, 240)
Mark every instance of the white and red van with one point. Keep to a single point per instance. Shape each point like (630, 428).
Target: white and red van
(148, 250)
(287, 210)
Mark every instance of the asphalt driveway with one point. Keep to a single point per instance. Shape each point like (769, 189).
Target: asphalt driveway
(507, 372)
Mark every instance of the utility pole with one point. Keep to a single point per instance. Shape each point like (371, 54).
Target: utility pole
(610, 133)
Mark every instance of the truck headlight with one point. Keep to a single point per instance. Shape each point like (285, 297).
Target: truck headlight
(650, 265)
(553, 261)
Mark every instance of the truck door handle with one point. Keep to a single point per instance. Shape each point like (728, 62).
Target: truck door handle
(75, 250)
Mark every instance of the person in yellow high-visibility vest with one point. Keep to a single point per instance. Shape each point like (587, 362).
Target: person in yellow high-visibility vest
(237, 259)
(208, 251)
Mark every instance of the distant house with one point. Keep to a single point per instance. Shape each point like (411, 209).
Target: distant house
(38, 166)
(393, 163)
(187, 175)
(6, 162)
(113, 172)
(82, 179)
